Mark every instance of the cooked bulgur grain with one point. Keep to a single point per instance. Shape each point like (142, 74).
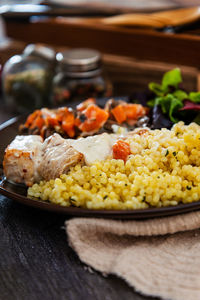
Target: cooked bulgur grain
(163, 169)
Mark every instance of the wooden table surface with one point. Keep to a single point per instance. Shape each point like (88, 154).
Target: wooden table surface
(36, 261)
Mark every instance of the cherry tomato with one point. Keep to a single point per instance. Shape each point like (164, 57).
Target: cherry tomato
(121, 150)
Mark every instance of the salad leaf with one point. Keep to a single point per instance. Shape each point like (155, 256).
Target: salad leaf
(169, 105)
(181, 95)
(175, 105)
(169, 96)
(194, 97)
(156, 88)
(189, 105)
(165, 103)
(171, 78)
(151, 102)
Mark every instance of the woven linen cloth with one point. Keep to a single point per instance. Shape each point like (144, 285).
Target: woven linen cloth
(158, 257)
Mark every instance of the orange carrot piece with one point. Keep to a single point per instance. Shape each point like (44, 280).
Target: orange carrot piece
(31, 118)
(77, 122)
(83, 105)
(134, 111)
(39, 122)
(96, 117)
(119, 113)
(68, 124)
(51, 118)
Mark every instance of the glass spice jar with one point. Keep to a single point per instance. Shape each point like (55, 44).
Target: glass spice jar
(79, 76)
(0, 79)
(27, 78)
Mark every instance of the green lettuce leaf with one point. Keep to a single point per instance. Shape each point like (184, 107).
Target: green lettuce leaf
(169, 105)
(170, 98)
(194, 97)
(165, 103)
(171, 78)
(175, 105)
(156, 88)
(181, 95)
(151, 102)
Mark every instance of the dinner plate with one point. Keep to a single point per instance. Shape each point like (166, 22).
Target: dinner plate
(9, 130)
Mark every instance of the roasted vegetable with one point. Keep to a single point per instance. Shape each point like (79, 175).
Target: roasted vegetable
(119, 113)
(83, 105)
(95, 118)
(127, 113)
(86, 119)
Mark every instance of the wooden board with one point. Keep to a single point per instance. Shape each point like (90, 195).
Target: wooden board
(136, 43)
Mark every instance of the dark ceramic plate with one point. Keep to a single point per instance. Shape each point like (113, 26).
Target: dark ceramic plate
(7, 133)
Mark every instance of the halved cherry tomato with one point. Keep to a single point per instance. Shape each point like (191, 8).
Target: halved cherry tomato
(121, 150)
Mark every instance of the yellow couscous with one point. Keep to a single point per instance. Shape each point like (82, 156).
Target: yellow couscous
(163, 169)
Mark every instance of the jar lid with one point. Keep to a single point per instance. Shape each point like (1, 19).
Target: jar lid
(79, 59)
(40, 51)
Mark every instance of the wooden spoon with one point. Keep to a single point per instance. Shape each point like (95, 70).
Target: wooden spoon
(175, 17)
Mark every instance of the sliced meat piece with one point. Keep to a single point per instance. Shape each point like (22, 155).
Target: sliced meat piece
(21, 159)
(57, 157)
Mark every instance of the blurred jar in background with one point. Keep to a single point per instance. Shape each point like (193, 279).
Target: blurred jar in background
(79, 76)
(10, 2)
(0, 79)
(27, 78)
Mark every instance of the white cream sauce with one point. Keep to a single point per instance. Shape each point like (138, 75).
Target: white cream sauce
(26, 142)
(95, 148)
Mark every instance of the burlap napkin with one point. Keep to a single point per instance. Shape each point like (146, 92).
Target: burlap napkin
(158, 257)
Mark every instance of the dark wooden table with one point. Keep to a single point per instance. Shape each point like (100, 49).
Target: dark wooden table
(36, 261)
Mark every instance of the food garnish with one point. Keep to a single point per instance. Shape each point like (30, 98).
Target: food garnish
(87, 119)
(172, 102)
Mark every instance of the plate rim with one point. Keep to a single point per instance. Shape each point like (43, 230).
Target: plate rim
(145, 213)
